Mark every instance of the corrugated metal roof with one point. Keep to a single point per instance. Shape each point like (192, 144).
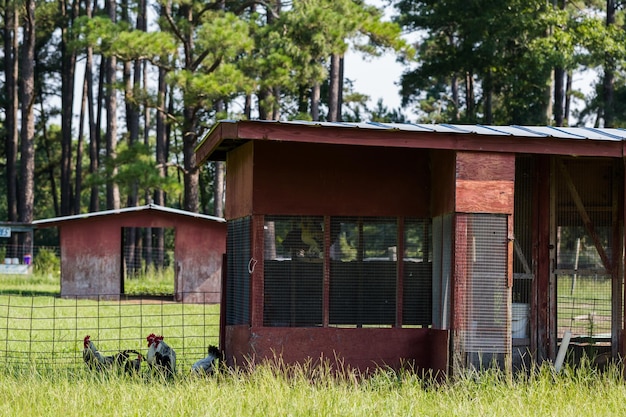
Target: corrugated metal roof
(611, 134)
(127, 210)
(583, 140)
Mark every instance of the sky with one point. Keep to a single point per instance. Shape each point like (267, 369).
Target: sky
(379, 77)
(376, 77)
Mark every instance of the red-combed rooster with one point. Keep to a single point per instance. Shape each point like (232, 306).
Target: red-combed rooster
(96, 361)
(160, 355)
(92, 357)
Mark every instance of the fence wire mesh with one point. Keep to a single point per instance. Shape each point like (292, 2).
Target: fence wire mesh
(48, 332)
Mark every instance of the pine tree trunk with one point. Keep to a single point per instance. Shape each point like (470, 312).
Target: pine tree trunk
(10, 37)
(68, 65)
(315, 102)
(333, 89)
(26, 198)
(609, 72)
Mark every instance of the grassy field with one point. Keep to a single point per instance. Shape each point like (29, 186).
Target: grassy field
(58, 389)
(267, 391)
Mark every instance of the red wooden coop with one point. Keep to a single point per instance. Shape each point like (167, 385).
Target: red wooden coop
(95, 255)
(438, 247)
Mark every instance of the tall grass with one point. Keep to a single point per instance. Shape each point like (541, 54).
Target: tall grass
(271, 390)
(275, 389)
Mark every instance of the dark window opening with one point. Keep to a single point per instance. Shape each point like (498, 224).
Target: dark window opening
(360, 256)
(238, 258)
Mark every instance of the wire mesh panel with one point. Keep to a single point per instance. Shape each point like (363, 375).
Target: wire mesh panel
(417, 273)
(147, 249)
(238, 258)
(363, 271)
(482, 296)
(360, 257)
(42, 331)
(293, 270)
(522, 253)
(585, 195)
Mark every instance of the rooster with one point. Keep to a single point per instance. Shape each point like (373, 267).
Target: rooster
(160, 356)
(206, 366)
(92, 356)
(96, 361)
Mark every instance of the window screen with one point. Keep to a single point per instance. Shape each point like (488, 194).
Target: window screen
(417, 273)
(293, 270)
(238, 278)
(363, 271)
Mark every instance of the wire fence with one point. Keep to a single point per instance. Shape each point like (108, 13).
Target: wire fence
(48, 331)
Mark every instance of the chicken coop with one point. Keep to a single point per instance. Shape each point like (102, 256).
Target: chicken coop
(99, 250)
(439, 247)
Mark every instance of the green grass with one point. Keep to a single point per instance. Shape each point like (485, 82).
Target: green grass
(33, 284)
(35, 386)
(153, 283)
(270, 390)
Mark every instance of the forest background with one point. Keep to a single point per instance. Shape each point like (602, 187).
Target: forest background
(103, 102)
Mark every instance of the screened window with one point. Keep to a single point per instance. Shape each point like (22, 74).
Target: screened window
(417, 273)
(293, 271)
(359, 258)
(363, 271)
(238, 277)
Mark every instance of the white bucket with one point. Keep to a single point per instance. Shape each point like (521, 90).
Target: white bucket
(519, 320)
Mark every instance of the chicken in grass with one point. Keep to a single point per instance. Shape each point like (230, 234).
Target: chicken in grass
(161, 357)
(208, 364)
(96, 361)
(92, 356)
(131, 366)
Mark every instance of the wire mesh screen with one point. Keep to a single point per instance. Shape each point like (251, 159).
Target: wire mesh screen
(293, 271)
(483, 296)
(417, 273)
(585, 219)
(42, 331)
(522, 250)
(360, 256)
(363, 271)
(238, 258)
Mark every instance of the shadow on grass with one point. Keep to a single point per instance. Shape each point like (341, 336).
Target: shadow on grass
(30, 293)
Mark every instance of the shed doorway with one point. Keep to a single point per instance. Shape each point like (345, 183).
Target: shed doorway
(148, 261)
(585, 206)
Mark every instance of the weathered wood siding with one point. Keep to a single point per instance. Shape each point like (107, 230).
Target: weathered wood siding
(91, 255)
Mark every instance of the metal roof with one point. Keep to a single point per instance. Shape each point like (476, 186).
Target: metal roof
(512, 130)
(229, 134)
(127, 210)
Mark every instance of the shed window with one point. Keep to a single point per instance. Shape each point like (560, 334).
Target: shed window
(365, 285)
(238, 279)
(293, 271)
(363, 271)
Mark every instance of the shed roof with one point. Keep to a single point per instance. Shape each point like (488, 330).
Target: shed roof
(55, 220)
(583, 141)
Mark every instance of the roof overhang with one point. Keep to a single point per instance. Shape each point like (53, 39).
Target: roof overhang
(227, 135)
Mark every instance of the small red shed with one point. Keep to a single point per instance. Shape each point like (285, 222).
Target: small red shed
(439, 246)
(92, 258)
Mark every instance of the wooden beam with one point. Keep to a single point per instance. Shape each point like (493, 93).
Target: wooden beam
(584, 215)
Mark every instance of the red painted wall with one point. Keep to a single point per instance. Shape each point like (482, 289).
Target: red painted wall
(91, 254)
(363, 349)
(336, 180)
